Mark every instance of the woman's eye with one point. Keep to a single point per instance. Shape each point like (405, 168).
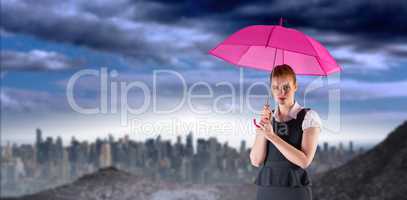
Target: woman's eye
(286, 88)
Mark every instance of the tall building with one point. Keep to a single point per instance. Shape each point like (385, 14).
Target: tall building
(213, 152)
(39, 136)
(105, 158)
(39, 147)
(65, 165)
(351, 147)
(8, 152)
(189, 149)
(242, 147)
(341, 149)
(59, 149)
(326, 147)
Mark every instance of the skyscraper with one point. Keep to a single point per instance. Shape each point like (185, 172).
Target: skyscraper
(106, 155)
(189, 151)
(39, 147)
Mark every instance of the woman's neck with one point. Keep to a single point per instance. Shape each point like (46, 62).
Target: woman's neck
(284, 109)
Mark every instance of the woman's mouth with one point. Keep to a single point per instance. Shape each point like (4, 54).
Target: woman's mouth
(281, 98)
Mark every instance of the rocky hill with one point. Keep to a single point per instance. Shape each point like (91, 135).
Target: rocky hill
(380, 173)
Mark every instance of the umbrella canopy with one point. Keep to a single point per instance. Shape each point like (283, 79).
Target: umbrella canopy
(265, 46)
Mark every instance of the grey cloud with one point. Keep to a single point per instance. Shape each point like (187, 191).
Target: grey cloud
(179, 33)
(21, 100)
(36, 60)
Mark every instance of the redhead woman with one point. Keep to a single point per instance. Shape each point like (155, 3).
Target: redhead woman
(286, 142)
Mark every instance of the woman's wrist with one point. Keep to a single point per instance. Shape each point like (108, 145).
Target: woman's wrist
(271, 135)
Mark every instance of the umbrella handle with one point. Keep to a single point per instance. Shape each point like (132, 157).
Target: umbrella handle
(268, 91)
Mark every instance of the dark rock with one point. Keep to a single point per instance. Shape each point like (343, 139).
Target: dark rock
(380, 173)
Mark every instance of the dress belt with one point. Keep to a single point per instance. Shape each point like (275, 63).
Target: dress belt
(281, 164)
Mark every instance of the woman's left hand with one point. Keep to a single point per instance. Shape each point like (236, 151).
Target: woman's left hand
(266, 129)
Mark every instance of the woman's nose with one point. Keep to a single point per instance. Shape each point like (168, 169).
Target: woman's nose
(280, 91)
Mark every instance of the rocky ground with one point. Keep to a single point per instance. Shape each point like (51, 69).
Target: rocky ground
(113, 184)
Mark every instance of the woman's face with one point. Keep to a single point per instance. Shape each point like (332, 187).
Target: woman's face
(283, 89)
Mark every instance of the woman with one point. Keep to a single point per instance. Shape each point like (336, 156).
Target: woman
(285, 143)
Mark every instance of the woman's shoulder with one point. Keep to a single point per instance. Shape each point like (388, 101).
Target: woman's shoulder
(311, 119)
(312, 111)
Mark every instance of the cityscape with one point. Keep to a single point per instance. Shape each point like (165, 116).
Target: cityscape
(30, 168)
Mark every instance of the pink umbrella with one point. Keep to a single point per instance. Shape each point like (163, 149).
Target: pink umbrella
(265, 46)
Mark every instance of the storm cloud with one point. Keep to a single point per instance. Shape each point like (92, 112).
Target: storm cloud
(179, 33)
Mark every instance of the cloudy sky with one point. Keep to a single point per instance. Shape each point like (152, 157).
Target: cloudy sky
(45, 44)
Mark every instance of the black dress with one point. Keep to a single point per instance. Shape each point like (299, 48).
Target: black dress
(278, 178)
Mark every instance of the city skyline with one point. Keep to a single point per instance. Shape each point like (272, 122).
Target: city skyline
(173, 138)
(30, 168)
(180, 138)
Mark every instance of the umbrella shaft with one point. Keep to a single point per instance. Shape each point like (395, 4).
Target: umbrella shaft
(267, 100)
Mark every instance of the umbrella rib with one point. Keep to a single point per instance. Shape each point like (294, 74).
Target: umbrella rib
(274, 61)
(320, 66)
(316, 57)
(268, 39)
(244, 52)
